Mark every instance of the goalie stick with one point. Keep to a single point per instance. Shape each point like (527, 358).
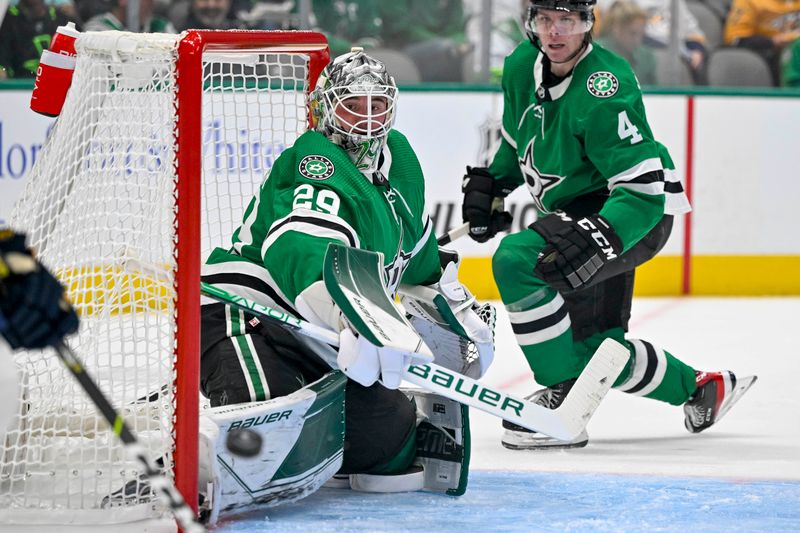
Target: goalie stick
(159, 483)
(565, 422)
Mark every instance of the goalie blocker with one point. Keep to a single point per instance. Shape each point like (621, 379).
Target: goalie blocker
(303, 443)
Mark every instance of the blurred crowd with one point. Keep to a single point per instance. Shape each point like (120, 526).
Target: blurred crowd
(712, 42)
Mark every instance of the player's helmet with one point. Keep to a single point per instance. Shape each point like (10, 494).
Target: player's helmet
(584, 7)
(354, 75)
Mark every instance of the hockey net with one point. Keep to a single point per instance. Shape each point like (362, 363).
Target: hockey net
(162, 142)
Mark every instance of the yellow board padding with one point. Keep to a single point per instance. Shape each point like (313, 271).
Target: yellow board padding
(117, 289)
(712, 275)
(746, 275)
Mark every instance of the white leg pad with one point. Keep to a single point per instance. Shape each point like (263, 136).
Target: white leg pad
(303, 439)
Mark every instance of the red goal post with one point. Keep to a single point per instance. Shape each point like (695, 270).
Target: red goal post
(189, 164)
(161, 144)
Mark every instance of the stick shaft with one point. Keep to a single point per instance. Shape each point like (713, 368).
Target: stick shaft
(453, 234)
(565, 423)
(160, 485)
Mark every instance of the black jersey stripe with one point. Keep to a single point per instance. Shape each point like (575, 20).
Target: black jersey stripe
(251, 282)
(541, 323)
(673, 187)
(654, 176)
(341, 228)
(652, 366)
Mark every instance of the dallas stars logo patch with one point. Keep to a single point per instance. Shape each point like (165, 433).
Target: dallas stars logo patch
(538, 183)
(602, 84)
(316, 167)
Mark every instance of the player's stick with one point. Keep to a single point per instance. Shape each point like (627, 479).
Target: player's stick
(453, 234)
(463, 229)
(159, 483)
(565, 422)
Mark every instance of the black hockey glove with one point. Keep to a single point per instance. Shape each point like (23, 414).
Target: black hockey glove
(483, 204)
(576, 250)
(34, 311)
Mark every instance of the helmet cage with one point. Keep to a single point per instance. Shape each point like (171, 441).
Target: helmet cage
(362, 123)
(354, 75)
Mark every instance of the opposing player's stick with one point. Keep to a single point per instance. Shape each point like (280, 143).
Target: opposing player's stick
(159, 483)
(565, 422)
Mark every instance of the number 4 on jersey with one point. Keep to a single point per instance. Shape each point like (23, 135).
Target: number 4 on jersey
(625, 128)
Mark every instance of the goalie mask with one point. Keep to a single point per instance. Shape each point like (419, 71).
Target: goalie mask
(353, 105)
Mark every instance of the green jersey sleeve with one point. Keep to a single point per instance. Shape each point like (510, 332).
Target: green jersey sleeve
(620, 145)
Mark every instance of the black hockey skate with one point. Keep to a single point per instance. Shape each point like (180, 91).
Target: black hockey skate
(715, 395)
(519, 438)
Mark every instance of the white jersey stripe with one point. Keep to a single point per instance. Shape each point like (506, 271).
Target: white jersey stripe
(639, 383)
(546, 334)
(676, 203)
(643, 167)
(424, 239)
(329, 226)
(645, 188)
(529, 315)
(245, 268)
(509, 139)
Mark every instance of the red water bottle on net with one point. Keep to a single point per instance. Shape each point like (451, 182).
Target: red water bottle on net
(54, 75)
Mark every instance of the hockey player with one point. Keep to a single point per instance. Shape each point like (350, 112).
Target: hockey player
(33, 312)
(574, 131)
(352, 179)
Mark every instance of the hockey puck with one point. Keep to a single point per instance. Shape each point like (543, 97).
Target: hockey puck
(243, 442)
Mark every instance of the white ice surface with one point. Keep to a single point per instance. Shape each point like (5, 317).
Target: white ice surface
(758, 439)
(642, 471)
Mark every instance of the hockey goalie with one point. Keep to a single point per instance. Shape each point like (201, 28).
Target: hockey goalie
(352, 180)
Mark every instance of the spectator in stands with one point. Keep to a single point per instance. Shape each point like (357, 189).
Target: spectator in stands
(507, 32)
(26, 30)
(791, 67)
(115, 16)
(764, 26)
(267, 14)
(433, 34)
(66, 7)
(349, 23)
(658, 30)
(203, 15)
(623, 33)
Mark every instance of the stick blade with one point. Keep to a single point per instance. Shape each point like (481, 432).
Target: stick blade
(592, 386)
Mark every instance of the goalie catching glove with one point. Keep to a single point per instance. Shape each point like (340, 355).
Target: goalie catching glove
(576, 250)
(458, 330)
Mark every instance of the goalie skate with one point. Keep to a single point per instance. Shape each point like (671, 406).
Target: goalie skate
(716, 393)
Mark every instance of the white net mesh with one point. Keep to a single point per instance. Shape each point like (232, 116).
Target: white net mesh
(100, 209)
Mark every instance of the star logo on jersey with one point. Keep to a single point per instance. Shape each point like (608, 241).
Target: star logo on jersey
(602, 84)
(316, 167)
(538, 183)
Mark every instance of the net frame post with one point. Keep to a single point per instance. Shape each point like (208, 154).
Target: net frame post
(188, 163)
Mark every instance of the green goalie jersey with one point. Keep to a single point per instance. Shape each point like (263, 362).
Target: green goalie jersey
(586, 134)
(314, 195)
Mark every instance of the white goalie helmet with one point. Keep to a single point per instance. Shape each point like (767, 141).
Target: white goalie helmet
(354, 104)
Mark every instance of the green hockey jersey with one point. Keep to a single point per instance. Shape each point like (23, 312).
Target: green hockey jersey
(315, 195)
(585, 134)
